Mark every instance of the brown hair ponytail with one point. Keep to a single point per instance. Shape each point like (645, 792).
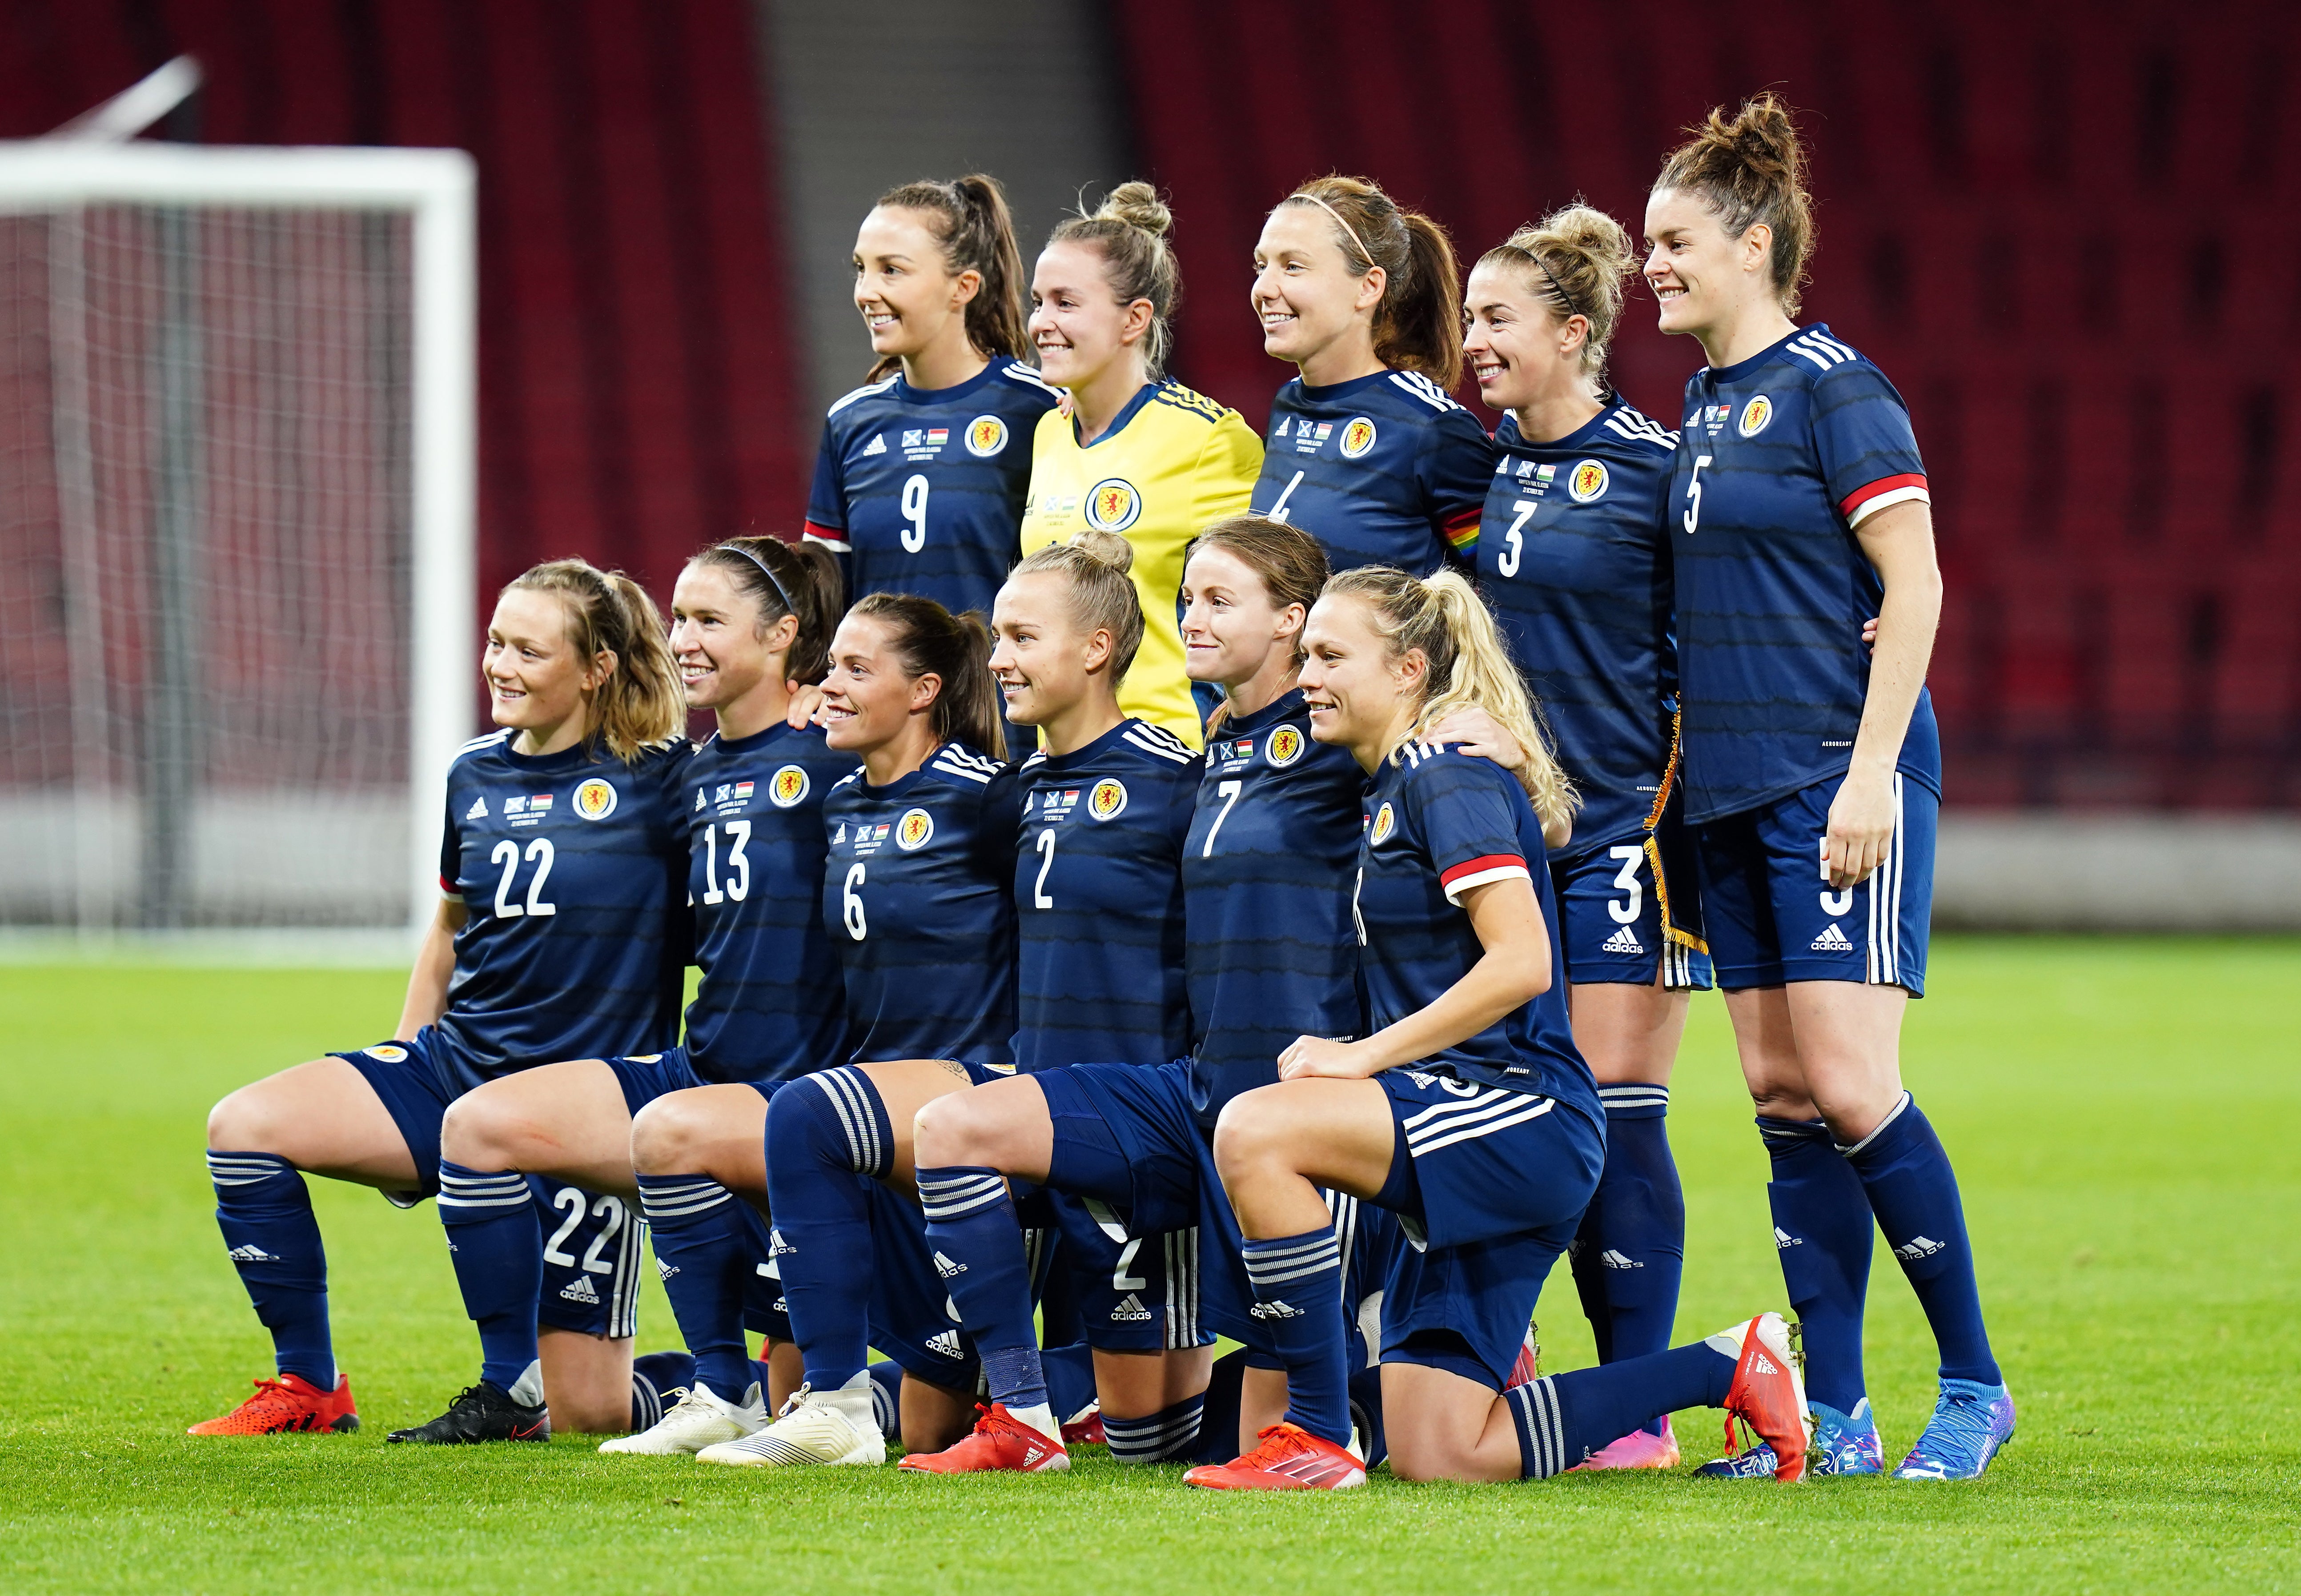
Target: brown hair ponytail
(977, 234)
(932, 642)
(1418, 326)
(787, 579)
(640, 704)
(1749, 170)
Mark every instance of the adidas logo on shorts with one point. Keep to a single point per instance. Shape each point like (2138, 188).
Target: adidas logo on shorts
(777, 1246)
(252, 1253)
(946, 1268)
(1275, 1310)
(1831, 940)
(1625, 940)
(665, 1271)
(1784, 1240)
(946, 1342)
(1616, 1260)
(581, 1291)
(1920, 1247)
(1130, 1312)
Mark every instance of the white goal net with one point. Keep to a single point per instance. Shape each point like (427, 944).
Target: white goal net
(235, 533)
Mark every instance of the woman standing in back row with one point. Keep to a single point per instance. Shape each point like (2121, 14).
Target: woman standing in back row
(1365, 451)
(1130, 451)
(1813, 772)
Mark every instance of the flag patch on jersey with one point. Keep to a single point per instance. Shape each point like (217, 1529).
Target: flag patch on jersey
(1310, 439)
(924, 443)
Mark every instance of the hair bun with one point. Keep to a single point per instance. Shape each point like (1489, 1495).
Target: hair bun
(1108, 548)
(1137, 204)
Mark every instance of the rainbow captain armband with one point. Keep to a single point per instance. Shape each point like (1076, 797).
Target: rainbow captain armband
(1863, 502)
(1461, 533)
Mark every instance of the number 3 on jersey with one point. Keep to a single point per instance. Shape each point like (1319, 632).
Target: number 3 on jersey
(915, 510)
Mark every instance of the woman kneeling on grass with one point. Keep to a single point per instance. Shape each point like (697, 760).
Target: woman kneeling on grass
(1467, 1111)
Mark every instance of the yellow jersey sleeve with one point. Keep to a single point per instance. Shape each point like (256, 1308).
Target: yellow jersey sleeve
(1174, 461)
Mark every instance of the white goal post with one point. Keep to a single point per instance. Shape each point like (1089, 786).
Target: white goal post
(238, 400)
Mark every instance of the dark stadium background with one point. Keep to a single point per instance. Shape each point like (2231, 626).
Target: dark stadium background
(2066, 230)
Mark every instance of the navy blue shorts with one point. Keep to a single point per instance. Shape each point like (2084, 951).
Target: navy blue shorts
(1135, 1291)
(1489, 1185)
(1610, 919)
(591, 1242)
(1770, 914)
(912, 1319)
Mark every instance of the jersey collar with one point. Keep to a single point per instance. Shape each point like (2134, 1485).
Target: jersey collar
(1573, 443)
(1288, 703)
(1143, 396)
(757, 740)
(908, 395)
(1719, 376)
(1092, 751)
(547, 764)
(1338, 390)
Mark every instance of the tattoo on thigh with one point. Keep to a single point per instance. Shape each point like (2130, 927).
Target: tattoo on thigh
(956, 1068)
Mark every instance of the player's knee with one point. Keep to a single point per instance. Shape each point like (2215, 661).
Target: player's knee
(244, 1121)
(1249, 1136)
(952, 1130)
(480, 1133)
(665, 1136)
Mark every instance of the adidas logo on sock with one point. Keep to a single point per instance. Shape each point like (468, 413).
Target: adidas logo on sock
(1831, 940)
(877, 446)
(1762, 1364)
(1130, 1312)
(1616, 1260)
(581, 1291)
(1784, 1240)
(945, 1341)
(252, 1253)
(777, 1246)
(946, 1268)
(1625, 940)
(479, 809)
(1918, 1247)
(1275, 1310)
(665, 1271)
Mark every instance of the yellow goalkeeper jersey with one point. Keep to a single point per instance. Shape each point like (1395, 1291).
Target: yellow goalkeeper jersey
(1172, 463)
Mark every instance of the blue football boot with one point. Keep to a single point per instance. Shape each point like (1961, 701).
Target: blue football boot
(1970, 1422)
(1843, 1443)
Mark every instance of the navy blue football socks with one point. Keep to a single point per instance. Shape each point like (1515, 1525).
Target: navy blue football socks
(886, 1399)
(653, 1374)
(703, 1253)
(978, 1248)
(1822, 1233)
(1069, 1371)
(1562, 1419)
(828, 1137)
(1170, 1432)
(1298, 1294)
(1913, 1192)
(1631, 1248)
(495, 1238)
(265, 1214)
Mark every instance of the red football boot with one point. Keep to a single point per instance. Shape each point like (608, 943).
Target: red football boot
(1767, 1393)
(1290, 1458)
(1000, 1441)
(1085, 1428)
(1529, 1365)
(289, 1402)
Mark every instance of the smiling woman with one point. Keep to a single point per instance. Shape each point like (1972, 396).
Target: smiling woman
(561, 863)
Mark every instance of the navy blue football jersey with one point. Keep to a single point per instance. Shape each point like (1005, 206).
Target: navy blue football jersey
(771, 1004)
(921, 491)
(1383, 470)
(1266, 899)
(918, 895)
(570, 868)
(1574, 564)
(1780, 458)
(1440, 823)
(1099, 901)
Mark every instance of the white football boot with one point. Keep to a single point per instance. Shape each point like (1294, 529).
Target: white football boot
(698, 1419)
(815, 1427)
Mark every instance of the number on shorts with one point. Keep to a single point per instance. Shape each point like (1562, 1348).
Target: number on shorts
(611, 1209)
(1626, 879)
(915, 510)
(1833, 904)
(1120, 1280)
(567, 1198)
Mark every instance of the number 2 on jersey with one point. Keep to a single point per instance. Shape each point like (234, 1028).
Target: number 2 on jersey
(1046, 846)
(915, 510)
(506, 854)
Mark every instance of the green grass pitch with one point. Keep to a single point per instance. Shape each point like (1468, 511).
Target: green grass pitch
(2123, 1114)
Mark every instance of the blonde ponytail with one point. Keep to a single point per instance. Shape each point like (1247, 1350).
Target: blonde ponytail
(1095, 564)
(640, 706)
(1467, 668)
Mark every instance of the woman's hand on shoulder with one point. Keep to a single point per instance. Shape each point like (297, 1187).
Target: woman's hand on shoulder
(806, 704)
(1481, 736)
